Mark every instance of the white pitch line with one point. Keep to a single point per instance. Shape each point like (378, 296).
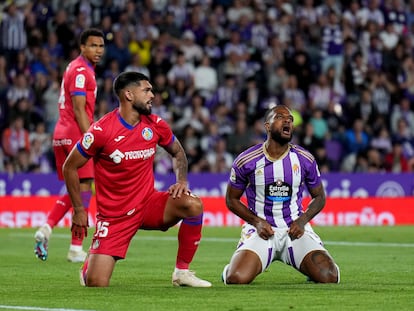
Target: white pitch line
(232, 240)
(38, 308)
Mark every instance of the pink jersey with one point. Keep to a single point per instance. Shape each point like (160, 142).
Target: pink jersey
(124, 156)
(78, 80)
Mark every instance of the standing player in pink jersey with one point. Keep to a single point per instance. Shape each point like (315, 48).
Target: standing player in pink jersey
(123, 145)
(76, 110)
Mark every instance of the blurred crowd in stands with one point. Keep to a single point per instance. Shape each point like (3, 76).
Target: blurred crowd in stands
(345, 68)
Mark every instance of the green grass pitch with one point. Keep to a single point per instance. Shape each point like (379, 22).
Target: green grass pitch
(377, 273)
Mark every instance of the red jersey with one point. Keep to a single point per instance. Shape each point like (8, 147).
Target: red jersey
(78, 80)
(123, 158)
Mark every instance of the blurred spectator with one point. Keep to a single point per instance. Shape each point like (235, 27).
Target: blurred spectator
(66, 36)
(221, 116)
(191, 50)
(321, 93)
(49, 99)
(160, 63)
(319, 124)
(196, 115)
(405, 136)
(406, 78)
(12, 28)
(180, 98)
(219, 159)
(22, 162)
(212, 49)
(372, 12)
(296, 95)
(118, 51)
(54, 48)
(205, 78)
(254, 96)
(309, 140)
(191, 144)
(277, 81)
(382, 141)
(382, 90)
(15, 137)
(20, 89)
(356, 74)
(298, 63)
(332, 45)
(395, 160)
(402, 111)
(356, 138)
(395, 14)
(389, 37)
(181, 69)
(227, 93)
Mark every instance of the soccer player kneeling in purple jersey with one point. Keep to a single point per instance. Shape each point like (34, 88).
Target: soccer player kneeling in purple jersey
(273, 175)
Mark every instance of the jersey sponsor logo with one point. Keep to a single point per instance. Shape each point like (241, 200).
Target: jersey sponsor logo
(80, 81)
(147, 134)
(62, 142)
(119, 138)
(145, 154)
(279, 191)
(87, 140)
(117, 156)
(139, 154)
(158, 120)
(97, 128)
(80, 69)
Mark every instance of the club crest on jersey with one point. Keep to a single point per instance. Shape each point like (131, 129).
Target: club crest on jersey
(117, 156)
(278, 191)
(87, 140)
(80, 81)
(232, 175)
(147, 134)
(295, 169)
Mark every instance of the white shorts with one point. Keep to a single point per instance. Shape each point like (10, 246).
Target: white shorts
(279, 247)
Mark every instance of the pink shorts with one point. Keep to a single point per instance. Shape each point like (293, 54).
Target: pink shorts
(62, 148)
(113, 235)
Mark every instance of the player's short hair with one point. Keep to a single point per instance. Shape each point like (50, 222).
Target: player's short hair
(269, 113)
(126, 78)
(90, 32)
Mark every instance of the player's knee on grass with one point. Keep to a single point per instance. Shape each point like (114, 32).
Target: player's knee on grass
(320, 267)
(239, 277)
(97, 281)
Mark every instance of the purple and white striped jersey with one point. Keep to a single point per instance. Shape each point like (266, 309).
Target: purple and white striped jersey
(274, 187)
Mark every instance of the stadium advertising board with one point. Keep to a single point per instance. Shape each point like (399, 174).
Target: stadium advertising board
(353, 199)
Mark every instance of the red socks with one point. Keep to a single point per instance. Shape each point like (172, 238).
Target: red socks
(189, 236)
(61, 207)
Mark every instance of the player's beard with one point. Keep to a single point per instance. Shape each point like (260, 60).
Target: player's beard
(277, 137)
(142, 109)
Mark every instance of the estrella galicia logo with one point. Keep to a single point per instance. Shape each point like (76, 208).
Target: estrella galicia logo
(278, 191)
(117, 156)
(147, 133)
